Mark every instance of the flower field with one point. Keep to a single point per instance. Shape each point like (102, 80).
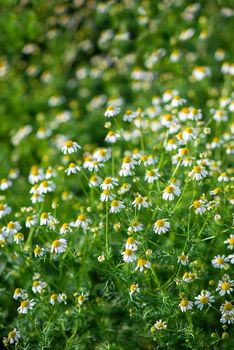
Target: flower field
(116, 178)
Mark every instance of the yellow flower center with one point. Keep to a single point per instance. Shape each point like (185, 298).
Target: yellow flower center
(114, 203)
(130, 240)
(81, 217)
(160, 223)
(225, 285)
(170, 189)
(37, 250)
(197, 169)
(150, 173)
(110, 108)
(189, 130)
(231, 241)
(141, 262)
(106, 192)
(127, 159)
(139, 200)
(69, 144)
(12, 334)
(220, 261)
(24, 303)
(54, 297)
(128, 252)
(204, 299)
(227, 306)
(107, 181)
(197, 204)
(11, 225)
(44, 216)
(184, 302)
(56, 243)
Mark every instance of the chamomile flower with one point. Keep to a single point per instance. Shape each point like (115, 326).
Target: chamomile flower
(36, 175)
(106, 196)
(59, 246)
(170, 192)
(13, 336)
(62, 298)
(219, 261)
(227, 318)
(161, 226)
(20, 293)
(183, 259)
(152, 175)
(133, 289)
(160, 325)
(18, 237)
(116, 206)
(65, 228)
(45, 218)
(112, 137)
(128, 165)
(230, 242)
(185, 305)
(102, 154)
(95, 165)
(199, 207)
(131, 244)
(46, 187)
(201, 72)
(129, 256)
(4, 210)
(94, 181)
(227, 308)
(198, 173)
(135, 226)
(109, 183)
(111, 111)
(225, 286)
(188, 134)
(129, 115)
(82, 221)
(5, 184)
(26, 306)
(216, 191)
(142, 264)
(72, 169)
(38, 286)
(124, 188)
(223, 177)
(31, 221)
(11, 228)
(38, 251)
(189, 276)
(70, 147)
(53, 298)
(203, 299)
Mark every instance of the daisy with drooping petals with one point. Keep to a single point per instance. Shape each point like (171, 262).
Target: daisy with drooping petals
(131, 244)
(152, 175)
(185, 305)
(4, 210)
(59, 246)
(128, 256)
(116, 206)
(111, 111)
(106, 196)
(142, 264)
(20, 293)
(70, 147)
(161, 226)
(198, 173)
(82, 221)
(230, 242)
(13, 336)
(133, 289)
(199, 207)
(26, 306)
(72, 169)
(109, 183)
(183, 259)
(170, 192)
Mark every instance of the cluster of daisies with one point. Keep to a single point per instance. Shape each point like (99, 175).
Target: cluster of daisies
(180, 130)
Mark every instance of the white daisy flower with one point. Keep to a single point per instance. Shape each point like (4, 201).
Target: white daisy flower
(70, 147)
(111, 111)
(199, 207)
(112, 137)
(131, 244)
(129, 256)
(65, 228)
(152, 175)
(183, 259)
(11, 228)
(13, 336)
(160, 325)
(188, 134)
(116, 206)
(59, 246)
(31, 221)
(94, 181)
(161, 226)
(223, 177)
(142, 264)
(106, 196)
(82, 221)
(205, 298)
(4, 210)
(230, 242)
(109, 183)
(225, 285)
(38, 286)
(20, 293)
(219, 261)
(198, 173)
(72, 169)
(5, 184)
(38, 251)
(46, 187)
(26, 306)
(227, 308)
(201, 72)
(185, 305)
(170, 192)
(133, 289)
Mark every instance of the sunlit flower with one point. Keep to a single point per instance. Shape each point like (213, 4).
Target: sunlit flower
(72, 169)
(183, 259)
(185, 305)
(129, 256)
(106, 196)
(160, 325)
(161, 226)
(82, 221)
(230, 242)
(152, 175)
(59, 246)
(116, 206)
(70, 147)
(142, 264)
(134, 289)
(20, 293)
(219, 261)
(109, 183)
(4, 210)
(198, 173)
(131, 244)
(13, 336)
(170, 192)
(111, 111)
(225, 285)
